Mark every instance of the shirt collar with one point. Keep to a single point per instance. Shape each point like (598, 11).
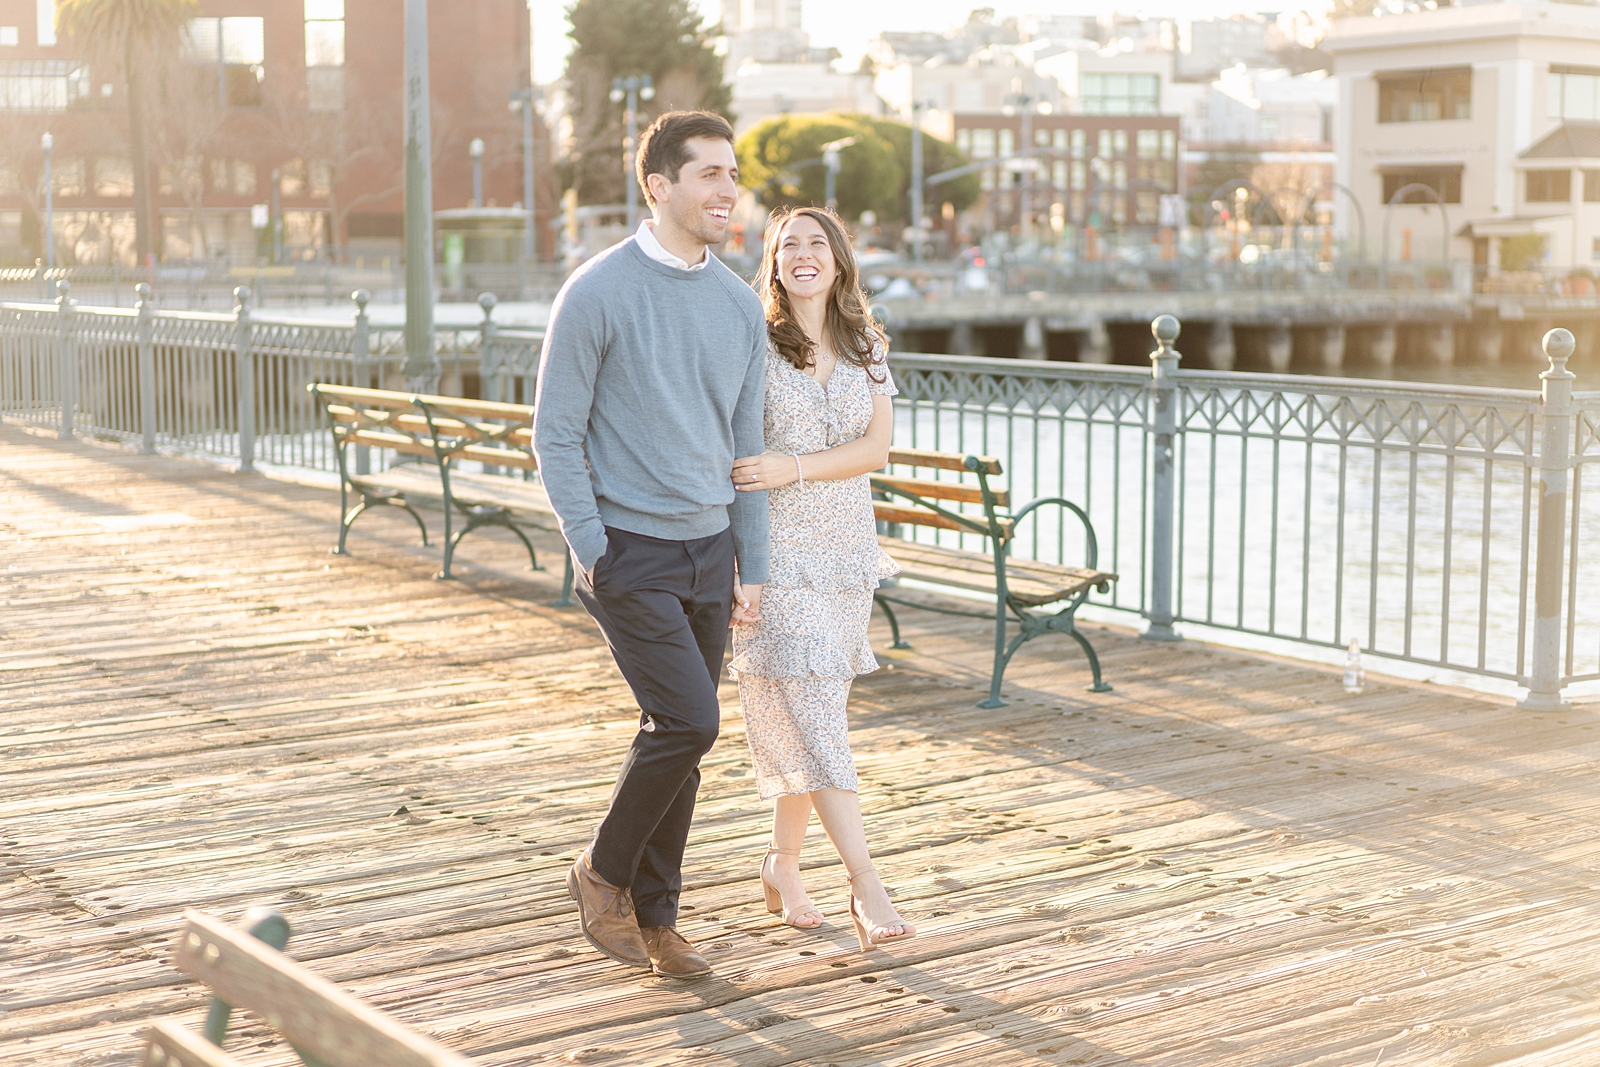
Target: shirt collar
(646, 236)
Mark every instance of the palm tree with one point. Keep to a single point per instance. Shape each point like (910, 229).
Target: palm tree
(140, 36)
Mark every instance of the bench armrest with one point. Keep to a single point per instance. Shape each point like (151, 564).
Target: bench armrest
(1091, 543)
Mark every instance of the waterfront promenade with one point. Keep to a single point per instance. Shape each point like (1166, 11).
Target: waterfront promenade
(1225, 861)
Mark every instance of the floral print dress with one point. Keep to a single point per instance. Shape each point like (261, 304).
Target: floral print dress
(795, 667)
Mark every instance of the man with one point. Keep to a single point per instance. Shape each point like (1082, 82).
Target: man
(651, 383)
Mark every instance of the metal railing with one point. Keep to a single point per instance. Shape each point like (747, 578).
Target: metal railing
(1435, 525)
(227, 387)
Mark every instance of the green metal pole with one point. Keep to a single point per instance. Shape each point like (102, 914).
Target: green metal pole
(422, 363)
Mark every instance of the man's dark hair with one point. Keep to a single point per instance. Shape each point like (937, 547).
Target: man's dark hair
(664, 149)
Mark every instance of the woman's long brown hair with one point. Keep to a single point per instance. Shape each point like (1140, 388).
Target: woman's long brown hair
(852, 330)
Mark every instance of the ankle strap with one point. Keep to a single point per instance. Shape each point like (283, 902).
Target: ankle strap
(773, 850)
(851, 876)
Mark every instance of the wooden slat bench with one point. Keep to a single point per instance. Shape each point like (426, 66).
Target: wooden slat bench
(1017, 585)
(434, 434)
(326, 1026)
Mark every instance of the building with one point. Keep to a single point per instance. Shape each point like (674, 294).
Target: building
(1466, 106)
(762, 90)
(292, 108)
(1106, 171)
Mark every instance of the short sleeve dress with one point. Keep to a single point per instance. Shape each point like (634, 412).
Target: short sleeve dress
(795, 667)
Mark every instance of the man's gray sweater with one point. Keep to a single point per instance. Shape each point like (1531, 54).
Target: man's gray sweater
(651, 384)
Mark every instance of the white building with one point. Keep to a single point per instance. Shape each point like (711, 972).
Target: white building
(1463, 101)
(761, 90)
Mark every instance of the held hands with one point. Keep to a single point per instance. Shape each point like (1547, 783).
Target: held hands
(746, 605)
(770, 470)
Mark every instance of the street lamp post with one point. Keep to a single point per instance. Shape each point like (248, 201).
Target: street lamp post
(522, 100)
(917, 107)
(633, 88)
(277, 216)
(830, 163)
(422, 362)
(475, 150)
(47, 143)
(1025, 102)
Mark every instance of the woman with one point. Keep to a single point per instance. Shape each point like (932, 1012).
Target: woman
(828, 422)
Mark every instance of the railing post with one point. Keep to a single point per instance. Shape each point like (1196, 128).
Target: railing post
(1554, 465)
(488, 363)
(1163, 484)
(361, 354)
(66, 360)
(244, 379)
(146, 334)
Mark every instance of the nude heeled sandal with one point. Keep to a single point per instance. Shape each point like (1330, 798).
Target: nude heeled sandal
(867, 935)
(774, 898)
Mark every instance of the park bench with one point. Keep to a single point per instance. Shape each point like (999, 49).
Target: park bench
(326, 1026)
(1019, 586)
(431, 436)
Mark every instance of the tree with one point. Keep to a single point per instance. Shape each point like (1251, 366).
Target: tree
(141, 37)
(665, 39)
(781, 160)
(937, 156)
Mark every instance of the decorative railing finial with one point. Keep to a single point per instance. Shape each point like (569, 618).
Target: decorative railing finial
(143, 290)
(487, 301)
(362, 299)
(1166, 329)
(63, 290)
(241, 296)
(1559, 345)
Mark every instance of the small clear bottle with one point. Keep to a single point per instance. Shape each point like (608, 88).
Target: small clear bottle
(1355, 676)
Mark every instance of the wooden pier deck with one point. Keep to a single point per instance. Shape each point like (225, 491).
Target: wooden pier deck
(1225, 861)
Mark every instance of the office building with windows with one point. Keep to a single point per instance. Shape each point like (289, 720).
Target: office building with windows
(1472, 131)
(288, 111)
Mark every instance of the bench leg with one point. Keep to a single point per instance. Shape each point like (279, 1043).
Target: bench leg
(367, 502)
(894, 624)
(270, 928)
(1099, 685)
(566, 600)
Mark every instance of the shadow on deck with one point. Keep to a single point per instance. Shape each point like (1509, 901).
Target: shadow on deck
(1226, 860)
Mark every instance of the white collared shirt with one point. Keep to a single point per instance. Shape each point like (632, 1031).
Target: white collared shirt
(646, 236)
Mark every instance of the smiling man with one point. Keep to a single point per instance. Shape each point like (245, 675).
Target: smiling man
(650, 385)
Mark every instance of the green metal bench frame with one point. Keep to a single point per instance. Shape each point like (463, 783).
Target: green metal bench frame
(999, 530)
(446, 436)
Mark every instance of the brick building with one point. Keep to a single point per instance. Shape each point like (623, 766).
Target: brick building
(292, 104)
(1104, 170)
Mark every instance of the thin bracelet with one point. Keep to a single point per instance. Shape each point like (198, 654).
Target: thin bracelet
(799, 472)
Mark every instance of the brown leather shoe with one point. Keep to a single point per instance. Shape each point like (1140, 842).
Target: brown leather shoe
(605, 914)
(671, 956)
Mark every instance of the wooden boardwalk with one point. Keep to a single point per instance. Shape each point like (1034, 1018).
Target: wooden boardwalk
(1225, 861)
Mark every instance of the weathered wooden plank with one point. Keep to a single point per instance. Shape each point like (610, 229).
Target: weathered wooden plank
(310, 1011)
(167, 1045)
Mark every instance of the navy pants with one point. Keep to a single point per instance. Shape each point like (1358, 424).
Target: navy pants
(663, 607)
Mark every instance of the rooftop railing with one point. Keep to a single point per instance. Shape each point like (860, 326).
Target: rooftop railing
(1439, 526)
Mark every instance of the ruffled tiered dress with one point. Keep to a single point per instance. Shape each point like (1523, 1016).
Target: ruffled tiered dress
(795, 667)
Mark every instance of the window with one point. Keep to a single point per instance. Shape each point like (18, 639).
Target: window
(1591, 187)
(1120, 94)
(232, 50)
(325, 88)
(1169, 144)
(45, 14)
(325, 44)
(1104, 151)
(1446, 181)
(1008, 142)
(230, 41)
(41, 84)
(1548, 186)
(1058, 140)
(1149, 144)
(9, 37)
(1041, 138)
(964, 142)
(113, 177)
(982, 144)
(236, 176)
(1573, 93)
(1425, 95)
(1119, 142)
(67, 176)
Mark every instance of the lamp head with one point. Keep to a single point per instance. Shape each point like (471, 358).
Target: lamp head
(476, 148)
(47, 142)
(647, 88)
(617, 93)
